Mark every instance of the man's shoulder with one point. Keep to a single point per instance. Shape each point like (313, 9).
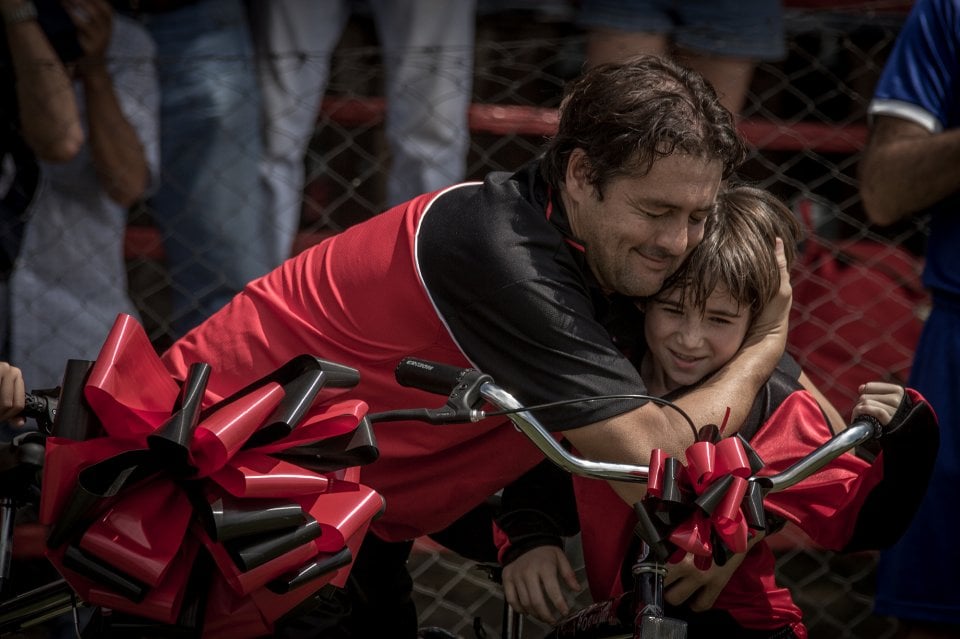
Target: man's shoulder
(497, 216)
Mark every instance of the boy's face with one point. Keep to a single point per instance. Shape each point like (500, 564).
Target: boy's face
(686, 345)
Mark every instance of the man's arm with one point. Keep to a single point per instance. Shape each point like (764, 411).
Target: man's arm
(629, 438)
(49, 118)
(906, 168)
(118, 155)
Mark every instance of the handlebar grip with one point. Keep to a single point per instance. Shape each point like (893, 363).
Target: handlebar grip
(34, 406)
(869, 420)
(429, 376)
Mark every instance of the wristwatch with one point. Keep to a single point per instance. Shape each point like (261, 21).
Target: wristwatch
(26, 11)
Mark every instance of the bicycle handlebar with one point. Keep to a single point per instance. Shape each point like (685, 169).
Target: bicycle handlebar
(440, 378)
(549, 446)
(436, 378)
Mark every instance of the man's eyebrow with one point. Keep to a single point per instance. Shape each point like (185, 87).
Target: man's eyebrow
(656, 202)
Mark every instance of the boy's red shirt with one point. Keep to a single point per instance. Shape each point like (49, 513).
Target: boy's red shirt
(824, 506)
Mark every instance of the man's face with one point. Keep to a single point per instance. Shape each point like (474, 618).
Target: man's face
(645, 226)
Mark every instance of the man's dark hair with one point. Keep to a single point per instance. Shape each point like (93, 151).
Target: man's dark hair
(737, 251)
(629, 114)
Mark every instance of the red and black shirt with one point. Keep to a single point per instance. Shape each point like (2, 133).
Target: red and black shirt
(474, 275)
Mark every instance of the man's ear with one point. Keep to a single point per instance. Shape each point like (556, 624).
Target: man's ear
(577, 183)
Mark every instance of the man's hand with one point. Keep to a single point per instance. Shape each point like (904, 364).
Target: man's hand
(93, 20)
(774, 320)
(685, 584)
(532, 583)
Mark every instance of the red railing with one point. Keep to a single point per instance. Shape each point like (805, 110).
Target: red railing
(144, 242)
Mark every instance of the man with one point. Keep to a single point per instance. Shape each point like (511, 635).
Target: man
(522, 276)
(910, 168)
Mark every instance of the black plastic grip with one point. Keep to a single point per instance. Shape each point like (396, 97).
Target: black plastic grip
(34, 405)
(429, 376)
(869, 420)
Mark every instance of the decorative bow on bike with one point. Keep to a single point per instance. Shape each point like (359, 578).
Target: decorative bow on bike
(706, 507)
(219, 518)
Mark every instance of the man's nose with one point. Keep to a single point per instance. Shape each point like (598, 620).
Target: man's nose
(674, 238)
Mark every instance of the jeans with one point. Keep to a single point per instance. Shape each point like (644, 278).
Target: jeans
(427, 49)
(209, 205)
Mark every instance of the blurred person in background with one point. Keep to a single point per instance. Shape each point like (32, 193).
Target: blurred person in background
(208, 205)
(427, 48)
(80, 147)
(912, 167)
(721, 39)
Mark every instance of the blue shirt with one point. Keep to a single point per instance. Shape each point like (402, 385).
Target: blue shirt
(921, 83)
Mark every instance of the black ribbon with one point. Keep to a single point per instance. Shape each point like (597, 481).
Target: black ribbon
(254, 531)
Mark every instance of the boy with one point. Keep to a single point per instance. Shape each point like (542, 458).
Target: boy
(692, 328)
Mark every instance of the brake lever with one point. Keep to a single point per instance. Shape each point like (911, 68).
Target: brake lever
(465, 400)
(462, 405)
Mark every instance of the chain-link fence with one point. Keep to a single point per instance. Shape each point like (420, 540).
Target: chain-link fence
(806, 125)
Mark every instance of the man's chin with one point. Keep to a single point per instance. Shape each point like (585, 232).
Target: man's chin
(647, 287)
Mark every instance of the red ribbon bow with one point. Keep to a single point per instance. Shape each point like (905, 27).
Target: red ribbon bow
(701, 502)
(172, 493)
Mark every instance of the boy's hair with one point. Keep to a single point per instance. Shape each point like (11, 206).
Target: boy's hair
(627, 115)
(737, 250)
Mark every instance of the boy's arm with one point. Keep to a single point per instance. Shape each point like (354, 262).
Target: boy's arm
(854, 502)
(533, 583)
(537, 511)
(836, 421)
(909, 451)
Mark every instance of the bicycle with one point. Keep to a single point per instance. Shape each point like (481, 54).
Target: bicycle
(471, 392)
(638, 612)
